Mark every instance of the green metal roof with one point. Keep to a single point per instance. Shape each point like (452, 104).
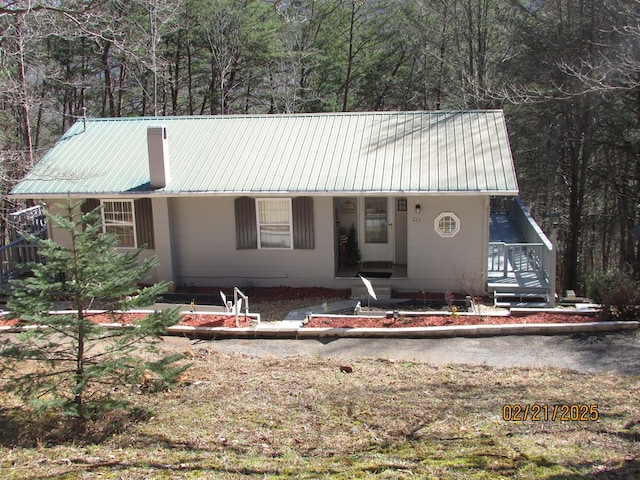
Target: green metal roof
(382, 152)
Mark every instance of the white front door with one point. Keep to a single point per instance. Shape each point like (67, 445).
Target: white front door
(376, 227)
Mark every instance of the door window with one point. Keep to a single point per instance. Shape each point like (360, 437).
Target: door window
(375, 220)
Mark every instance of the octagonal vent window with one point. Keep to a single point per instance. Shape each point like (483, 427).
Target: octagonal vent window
(447, 224)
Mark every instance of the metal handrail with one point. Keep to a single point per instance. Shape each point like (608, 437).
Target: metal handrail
(237, 293)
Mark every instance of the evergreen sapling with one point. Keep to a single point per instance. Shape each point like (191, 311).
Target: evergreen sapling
(79, 365)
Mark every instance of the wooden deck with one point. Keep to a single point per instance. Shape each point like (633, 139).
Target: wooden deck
(516, 268)
(19, 252)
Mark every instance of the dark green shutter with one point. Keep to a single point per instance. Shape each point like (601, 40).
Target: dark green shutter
(303, 227)
(89, 205)
(246, 227)
(144, 223)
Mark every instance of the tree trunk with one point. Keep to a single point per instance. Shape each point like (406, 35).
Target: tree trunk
(350, 55)
(108, 83)
(23, 92)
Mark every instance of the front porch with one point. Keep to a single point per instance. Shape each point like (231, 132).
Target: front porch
(520, 260)
(392, 271)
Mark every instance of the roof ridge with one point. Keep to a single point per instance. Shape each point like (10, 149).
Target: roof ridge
(285, 115)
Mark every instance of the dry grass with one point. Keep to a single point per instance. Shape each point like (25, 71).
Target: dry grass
(239, 417)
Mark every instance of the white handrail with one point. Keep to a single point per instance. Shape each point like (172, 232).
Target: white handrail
(236, 306)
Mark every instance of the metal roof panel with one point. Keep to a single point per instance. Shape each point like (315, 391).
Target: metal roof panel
(385, 152)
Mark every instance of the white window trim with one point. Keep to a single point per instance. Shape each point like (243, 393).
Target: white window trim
(454, 232)
(290, 224)
(133, 216)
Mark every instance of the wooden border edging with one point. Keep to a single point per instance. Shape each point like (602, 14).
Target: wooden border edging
(295, 332)
(300, 333)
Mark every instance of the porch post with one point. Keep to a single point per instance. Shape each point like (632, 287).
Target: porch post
(162, 232)
(505, 261)
(552, 261)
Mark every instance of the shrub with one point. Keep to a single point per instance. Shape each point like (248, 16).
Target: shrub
(617, 292)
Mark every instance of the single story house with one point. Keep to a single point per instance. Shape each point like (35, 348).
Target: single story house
(270, 200)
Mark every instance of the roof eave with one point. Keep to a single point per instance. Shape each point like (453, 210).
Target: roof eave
(169, 194)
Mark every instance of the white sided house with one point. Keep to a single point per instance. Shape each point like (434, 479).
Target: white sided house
(270, 200)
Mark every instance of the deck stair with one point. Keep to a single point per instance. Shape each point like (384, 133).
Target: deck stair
(534, 298)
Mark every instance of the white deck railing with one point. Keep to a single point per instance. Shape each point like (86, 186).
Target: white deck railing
(19, 252)
(516, 257)
(15, 256)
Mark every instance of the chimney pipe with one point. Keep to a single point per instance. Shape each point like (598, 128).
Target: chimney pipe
(158, 147)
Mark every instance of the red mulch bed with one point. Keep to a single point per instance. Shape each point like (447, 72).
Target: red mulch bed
(213, 320)
(281, 294)
(193, 320)
(445, 320)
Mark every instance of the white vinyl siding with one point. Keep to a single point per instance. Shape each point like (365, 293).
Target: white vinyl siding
(273, 217)
(212, 256)
(118, 218)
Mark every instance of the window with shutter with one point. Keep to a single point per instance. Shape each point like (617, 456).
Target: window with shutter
(276, 222)
(118, 218)
(141, 213)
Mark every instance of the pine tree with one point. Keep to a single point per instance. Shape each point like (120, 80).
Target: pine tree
(79, 364)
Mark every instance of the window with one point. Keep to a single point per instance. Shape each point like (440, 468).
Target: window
(447, 224)
(302, 224)
(375, 220)
(118, 218)
(274, 223)
(143, 214)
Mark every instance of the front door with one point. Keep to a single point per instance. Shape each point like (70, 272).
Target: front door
(376, 225)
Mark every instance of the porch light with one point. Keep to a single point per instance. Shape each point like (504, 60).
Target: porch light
(418, 208)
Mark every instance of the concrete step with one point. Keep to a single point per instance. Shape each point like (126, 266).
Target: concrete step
(359, 292)
(521, 304)
(507, 288)
(511, 299)
(520, 294)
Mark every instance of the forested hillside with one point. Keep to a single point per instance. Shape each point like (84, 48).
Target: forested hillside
(567, 73)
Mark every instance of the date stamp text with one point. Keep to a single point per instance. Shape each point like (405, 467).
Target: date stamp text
(540, 412)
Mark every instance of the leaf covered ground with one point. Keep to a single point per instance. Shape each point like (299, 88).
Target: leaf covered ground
(237, 416)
